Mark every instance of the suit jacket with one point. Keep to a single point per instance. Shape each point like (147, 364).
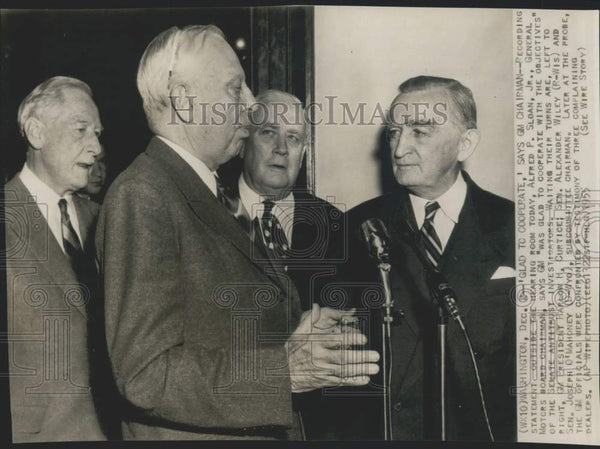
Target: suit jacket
(482, 241)
(195, 327)
(318, 238)
(48, 305)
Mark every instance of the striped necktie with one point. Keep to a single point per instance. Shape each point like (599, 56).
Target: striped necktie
(71, 242)
(431, 241)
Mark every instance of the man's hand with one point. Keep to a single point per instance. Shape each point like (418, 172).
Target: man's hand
(318, 351)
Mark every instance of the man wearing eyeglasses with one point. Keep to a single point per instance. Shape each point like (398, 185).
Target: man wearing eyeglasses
(439, 220)
(204, 342)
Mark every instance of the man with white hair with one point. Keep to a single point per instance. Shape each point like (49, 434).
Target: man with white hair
(302, 235)
(50, 266)
(198, 333)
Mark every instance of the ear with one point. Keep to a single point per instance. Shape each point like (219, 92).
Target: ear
(34, 131)
(468, 143)
(183, 103)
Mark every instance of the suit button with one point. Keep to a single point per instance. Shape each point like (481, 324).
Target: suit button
(285, 268)
(398, 406)
(478, 355)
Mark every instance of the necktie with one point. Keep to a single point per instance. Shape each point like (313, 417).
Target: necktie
(71, 242)
(83, 264)
(233, 205)
(431, 241)
(273, 234)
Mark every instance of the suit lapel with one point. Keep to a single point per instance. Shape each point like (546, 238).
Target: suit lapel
(469, 258)
(85, 218)
(47, 251)
(202, 202)
(401, 230)
(407, 288)
(304, 232)
(468, 262)
(258, 247)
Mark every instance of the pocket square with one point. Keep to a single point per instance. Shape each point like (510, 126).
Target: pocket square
(504, 272)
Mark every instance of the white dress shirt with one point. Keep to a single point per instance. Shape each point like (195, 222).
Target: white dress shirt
(47, 201)
(283, 209)
(206, 174)
(451, 203)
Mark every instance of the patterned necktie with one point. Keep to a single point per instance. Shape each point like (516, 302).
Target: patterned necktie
(71, 242)
(233, 205)
(431, 241)
(273, 235)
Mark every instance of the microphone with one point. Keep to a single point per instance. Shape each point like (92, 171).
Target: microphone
(377, 239)
(443, 293)
(446, 298)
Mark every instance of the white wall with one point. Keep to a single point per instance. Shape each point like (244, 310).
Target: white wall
(362, 54)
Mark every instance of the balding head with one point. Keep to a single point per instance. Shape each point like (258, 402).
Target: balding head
(194, 92)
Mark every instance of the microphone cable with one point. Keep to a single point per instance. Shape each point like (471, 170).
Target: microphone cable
(449, 304)
(458, 319)
(389, 385)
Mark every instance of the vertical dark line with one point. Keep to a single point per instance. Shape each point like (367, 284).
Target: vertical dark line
(288, 54)
(56, 345)
(47, 332)
(268, 47)
(252, 61)
(65, 349)
(310, 96)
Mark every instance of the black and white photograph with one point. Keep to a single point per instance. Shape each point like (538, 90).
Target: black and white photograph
(300, 223)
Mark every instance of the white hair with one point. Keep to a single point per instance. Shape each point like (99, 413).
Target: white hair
(48, 94)
(156, 69)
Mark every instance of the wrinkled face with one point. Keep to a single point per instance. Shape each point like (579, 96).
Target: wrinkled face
(425, 140)
(217, 80)
(97, 175)
(69, 142)
(274, 151)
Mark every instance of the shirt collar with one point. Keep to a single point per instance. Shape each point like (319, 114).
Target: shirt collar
(206, 174)
(451, 202)
(38, 188)
(252, 201)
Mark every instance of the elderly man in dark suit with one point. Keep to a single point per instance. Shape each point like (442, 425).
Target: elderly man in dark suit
(205, 343)
(302, 235)
(51, 275)
(440, 220)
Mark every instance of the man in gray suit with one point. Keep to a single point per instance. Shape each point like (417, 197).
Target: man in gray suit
(50, 269)
(205, 341)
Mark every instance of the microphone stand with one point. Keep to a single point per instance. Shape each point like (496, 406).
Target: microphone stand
(377, 239)
(384, 274)
(442, 326)
(442, 330)
(446, 301)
